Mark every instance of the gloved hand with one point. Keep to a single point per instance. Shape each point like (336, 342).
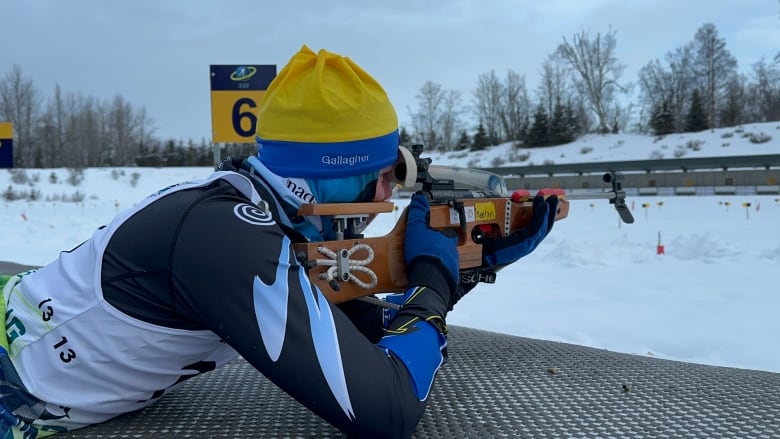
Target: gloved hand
(499, 252)
(431, 256)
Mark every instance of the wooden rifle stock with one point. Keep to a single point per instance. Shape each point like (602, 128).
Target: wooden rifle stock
(344, 270)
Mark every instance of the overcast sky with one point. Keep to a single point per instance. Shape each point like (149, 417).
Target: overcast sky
(156, 53)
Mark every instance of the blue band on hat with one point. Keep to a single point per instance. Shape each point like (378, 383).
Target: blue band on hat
(328, 160)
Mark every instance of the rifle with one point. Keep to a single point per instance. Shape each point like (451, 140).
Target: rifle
(470, 203)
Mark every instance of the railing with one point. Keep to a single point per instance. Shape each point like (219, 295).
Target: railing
(766, 161)
(736, 175)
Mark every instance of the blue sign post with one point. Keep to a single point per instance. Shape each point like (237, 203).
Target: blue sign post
(6, 145)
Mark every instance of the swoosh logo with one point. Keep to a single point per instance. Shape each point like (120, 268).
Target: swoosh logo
(270, 302)
(326, 344)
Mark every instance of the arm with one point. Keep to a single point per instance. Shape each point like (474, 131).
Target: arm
(492, 229)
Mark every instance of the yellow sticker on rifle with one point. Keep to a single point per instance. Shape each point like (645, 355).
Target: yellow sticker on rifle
(485, 211)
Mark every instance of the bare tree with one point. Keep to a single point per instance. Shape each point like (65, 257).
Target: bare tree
(515, 106)
(80, 112)
(715, 66)
(682, 82)
(450, 124)
(87, 117)
(123, 124)
(764, 92)
(734, 109)
(487, 105)
(598, 71)
(20, 105)
(430, 101)
(553, 84)
(669, 87)
(146, 128)
(55, 130)
(777, 56)
(619, 116)
(655, 88)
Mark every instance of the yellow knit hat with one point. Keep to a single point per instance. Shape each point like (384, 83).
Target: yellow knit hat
(324, 117)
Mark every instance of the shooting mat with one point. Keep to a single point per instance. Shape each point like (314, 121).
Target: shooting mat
(494, 385)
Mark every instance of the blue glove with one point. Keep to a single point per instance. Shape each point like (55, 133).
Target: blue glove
(499, 252)
(423, 245)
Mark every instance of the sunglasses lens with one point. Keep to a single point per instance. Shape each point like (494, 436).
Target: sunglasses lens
(368, 192)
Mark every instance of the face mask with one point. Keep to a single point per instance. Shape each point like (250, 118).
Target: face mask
(374, 186)
(357, 188)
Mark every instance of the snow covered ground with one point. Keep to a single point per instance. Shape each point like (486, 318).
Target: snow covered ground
(598, 148)
(712, 298)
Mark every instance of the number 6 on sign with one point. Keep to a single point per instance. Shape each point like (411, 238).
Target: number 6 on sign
(236, 93)
(245, 120)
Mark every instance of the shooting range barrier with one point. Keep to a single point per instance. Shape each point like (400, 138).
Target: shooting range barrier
(725, 190)
(494, 385)
(685, 190)
(740, 175)
(768, 189)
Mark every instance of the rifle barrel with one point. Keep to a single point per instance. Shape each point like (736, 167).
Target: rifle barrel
(593, 196)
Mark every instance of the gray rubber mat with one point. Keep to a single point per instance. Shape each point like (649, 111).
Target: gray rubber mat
(13, 267)
(494, 385)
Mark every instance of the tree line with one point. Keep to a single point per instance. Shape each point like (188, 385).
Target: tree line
(694, 87)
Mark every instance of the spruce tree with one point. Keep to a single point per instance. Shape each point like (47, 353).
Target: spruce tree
(464, 142)
(404, 137)
(558, 132)
(573, 121)
(662, 121)
(538, 134)
(696, 120)
(481, 140)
